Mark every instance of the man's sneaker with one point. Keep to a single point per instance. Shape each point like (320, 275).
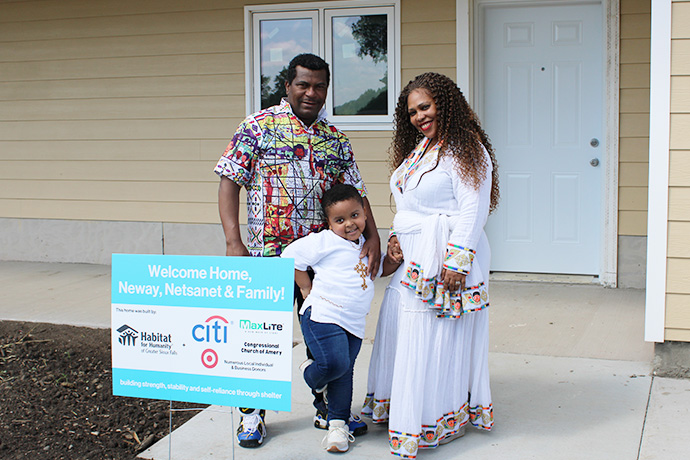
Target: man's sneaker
(321, 417)
(338, 438)
(355, 425)
(252, 429)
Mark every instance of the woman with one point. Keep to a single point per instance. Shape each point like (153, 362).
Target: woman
(429, 374)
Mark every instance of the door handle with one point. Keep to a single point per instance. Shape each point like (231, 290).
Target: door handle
(594, 162)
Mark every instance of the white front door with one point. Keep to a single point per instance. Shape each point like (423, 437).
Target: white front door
(542, 76)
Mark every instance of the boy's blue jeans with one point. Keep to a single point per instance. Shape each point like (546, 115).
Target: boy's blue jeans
(334, 350)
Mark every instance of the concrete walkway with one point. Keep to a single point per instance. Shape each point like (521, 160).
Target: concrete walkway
(570, 373)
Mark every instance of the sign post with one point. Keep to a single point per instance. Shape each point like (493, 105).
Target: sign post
(211, 330)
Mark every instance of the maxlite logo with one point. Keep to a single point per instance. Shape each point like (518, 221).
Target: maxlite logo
(128, 336)
(246, 324)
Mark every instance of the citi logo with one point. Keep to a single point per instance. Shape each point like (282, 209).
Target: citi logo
(246, 324)
(128, 335)
(214, 330)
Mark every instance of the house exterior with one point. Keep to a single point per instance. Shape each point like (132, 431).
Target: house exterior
(667, 304)
(113, 114)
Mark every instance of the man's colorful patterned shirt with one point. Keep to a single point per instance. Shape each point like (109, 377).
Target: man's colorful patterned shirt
(285, 167)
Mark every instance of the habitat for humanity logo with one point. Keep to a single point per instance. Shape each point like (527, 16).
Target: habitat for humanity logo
(128, 336)
(214, 330)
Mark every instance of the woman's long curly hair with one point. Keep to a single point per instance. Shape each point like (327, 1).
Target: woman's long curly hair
(459, 131)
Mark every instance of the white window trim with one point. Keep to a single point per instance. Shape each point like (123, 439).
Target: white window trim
(254, 91)
(363, 122)
(350, 120)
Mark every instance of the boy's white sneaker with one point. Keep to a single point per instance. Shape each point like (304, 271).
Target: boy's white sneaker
(338, 438)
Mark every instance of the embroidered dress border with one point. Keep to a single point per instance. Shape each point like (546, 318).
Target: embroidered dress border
(413, 162)
(446, 426)
(482, 417)
(459, 259)
(403, 445)
(376, 409)
(450, 305)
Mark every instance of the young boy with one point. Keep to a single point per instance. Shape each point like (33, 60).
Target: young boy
(336, 303)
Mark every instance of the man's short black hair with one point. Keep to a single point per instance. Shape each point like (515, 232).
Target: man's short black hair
(308, 61)
(338, 193)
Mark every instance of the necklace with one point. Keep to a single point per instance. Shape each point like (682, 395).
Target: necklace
(358, 244)
(360, 268)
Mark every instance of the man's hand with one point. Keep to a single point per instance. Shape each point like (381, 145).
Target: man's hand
(372, 250)
(236, 249)
(372, 245)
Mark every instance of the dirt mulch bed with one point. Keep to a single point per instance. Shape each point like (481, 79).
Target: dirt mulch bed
(56, 398)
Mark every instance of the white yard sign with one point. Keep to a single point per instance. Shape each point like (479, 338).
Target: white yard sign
(214, 330)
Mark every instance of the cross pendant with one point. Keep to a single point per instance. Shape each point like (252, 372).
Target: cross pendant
(362, 270)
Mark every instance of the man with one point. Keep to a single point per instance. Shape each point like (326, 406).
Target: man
(286, 156)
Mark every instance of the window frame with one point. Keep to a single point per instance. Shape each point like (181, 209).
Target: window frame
(255, 70)
(321, 33)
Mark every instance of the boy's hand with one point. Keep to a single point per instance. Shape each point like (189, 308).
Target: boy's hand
(394, 252)
(305, 291)
(303, 282)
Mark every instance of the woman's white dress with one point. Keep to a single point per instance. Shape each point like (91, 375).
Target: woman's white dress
(429, 372)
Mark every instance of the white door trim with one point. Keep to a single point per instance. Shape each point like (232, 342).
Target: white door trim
(659, 150)
(609, 253)
(469, 20)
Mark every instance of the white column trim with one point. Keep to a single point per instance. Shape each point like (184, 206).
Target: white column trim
(608, 272)
(463, 46)
(659, 147)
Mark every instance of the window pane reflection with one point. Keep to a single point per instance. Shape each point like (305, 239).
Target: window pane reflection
(360, 65)
(281, 40)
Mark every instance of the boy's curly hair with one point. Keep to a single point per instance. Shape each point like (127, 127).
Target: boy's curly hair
(458, 129)
(339, 192)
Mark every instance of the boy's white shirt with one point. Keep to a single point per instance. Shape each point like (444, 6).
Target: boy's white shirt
(337, 295)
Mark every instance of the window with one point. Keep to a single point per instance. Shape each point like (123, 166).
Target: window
(359, 43)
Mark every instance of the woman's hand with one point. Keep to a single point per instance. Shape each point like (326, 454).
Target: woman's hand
(394, 251)
(453, 281)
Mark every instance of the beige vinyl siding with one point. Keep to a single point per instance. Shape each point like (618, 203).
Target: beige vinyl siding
(119, 111)
(635, 35)
(678, 263)
(371, 151)
(427, 45)
(428, 38)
